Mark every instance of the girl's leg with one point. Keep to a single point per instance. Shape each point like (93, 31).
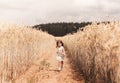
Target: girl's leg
(61, 64)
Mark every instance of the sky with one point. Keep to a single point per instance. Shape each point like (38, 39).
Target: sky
(31, 12)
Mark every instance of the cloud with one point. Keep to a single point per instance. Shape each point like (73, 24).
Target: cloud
(32, 12)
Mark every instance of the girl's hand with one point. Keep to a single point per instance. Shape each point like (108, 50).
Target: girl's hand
(58, 52)
(62, 53)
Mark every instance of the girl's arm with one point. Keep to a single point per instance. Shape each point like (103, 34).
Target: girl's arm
(63, 51)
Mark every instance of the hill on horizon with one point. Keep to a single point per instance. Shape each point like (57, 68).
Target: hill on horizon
(63, 28)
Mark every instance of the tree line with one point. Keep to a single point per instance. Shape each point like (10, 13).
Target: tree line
(61, 29)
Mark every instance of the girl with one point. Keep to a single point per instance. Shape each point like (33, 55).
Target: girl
(60, 54)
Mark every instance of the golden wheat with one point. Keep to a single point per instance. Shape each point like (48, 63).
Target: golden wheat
(96, 52)
(19, 47)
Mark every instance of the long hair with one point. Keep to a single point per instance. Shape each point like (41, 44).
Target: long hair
(59, 41)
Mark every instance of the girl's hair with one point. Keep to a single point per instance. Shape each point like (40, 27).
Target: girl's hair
(59, 41)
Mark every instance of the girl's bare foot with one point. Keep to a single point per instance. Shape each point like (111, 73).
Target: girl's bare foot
(59, 68)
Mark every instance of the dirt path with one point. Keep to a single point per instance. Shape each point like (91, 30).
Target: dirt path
(51, 75)
(67, 75)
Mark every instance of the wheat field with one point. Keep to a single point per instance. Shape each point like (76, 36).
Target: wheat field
(96, 52)
(20, 46)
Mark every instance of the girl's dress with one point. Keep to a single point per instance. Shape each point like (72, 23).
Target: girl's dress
(60, 57)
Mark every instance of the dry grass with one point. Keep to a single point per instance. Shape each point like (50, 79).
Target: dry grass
(96, 52)
(19, 47)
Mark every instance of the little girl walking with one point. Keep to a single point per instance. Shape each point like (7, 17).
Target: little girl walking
(60, 54)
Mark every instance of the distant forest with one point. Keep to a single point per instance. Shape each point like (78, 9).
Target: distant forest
(61, 29)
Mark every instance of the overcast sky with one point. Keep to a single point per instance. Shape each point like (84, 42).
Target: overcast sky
(32, 12)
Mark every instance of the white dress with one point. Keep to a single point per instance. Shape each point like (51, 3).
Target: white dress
(60, 56)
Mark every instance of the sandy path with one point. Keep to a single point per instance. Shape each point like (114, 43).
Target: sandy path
(67, 75)
(51, 75)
